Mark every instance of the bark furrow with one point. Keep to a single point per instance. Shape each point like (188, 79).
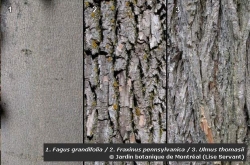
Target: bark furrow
(125, 72)
(208, 70)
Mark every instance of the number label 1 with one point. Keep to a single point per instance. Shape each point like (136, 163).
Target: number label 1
(10, 9)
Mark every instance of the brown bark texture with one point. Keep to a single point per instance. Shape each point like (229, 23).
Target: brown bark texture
(125, 72)
(208, 72)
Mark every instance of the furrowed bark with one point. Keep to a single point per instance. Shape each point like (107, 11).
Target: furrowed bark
(208, 69)
(125, 72)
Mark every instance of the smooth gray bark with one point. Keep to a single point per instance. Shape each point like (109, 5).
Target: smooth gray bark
(42, 78)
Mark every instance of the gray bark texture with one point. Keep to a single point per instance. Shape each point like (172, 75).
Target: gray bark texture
(41, 78)
(208, 71)
(125, 72)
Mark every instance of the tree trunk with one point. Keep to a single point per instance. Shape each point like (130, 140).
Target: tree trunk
(41, 78)
(208, 72)
(125, 71)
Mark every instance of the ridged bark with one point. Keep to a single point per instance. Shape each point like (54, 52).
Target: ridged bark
(208, 68)
(125, 72)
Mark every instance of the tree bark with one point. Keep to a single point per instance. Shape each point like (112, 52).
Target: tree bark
(125, 71)
(41, 78)
(208, 71)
